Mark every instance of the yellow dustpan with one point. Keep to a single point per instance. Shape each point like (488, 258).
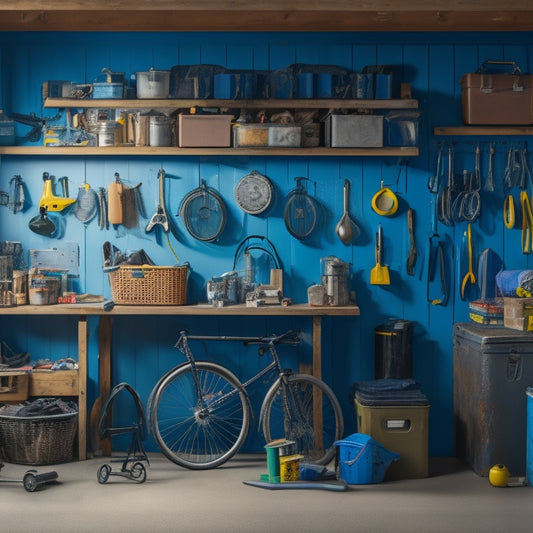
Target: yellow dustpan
(379, 275)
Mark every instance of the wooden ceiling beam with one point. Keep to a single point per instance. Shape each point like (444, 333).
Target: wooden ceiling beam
(266, 20)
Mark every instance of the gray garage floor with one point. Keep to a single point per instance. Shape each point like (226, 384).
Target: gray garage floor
(453, 498)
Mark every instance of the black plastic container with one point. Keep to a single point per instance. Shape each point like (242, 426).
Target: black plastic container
(393, 355)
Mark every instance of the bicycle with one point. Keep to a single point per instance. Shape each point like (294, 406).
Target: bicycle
(199, 412)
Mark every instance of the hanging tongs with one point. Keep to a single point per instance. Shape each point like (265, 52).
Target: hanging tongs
(436, 257)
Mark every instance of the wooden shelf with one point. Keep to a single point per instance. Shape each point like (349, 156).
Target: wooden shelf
(129, 150)
(274, 103)
(483, 130)
(276, 15)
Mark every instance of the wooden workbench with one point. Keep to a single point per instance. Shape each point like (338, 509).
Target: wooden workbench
(78, 387)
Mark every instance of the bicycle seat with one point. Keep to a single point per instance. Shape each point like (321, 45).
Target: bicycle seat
(289, 337)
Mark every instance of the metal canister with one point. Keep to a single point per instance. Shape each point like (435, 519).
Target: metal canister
(335, 280)
(108, 132)
(160, 134)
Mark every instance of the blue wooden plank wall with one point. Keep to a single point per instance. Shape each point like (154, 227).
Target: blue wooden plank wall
(142, 347)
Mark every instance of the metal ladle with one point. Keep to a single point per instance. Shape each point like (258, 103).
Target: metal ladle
(347, 229)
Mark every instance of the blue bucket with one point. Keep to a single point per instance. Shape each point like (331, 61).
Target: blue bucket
(360, 460)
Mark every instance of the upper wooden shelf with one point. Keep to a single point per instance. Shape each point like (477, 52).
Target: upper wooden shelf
(189, 310)
(274, 103)
(129, 150)
(483, 130)
(275, 15)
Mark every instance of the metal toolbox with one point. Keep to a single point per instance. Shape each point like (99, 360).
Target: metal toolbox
(204, 130)
(493, 366)
(354, 131)
(497, 99)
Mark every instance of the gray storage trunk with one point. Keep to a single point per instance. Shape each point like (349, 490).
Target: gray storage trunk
(354, 131)
(493, 366)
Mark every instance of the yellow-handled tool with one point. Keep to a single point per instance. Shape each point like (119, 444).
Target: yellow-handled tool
(527, 223)
(469, 276)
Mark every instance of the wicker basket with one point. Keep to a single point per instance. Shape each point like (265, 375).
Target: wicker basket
(149, 285)
(38, 440)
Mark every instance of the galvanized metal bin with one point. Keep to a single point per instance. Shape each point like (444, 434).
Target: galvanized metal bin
(493, 366)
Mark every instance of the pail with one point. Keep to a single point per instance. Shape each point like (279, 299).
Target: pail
(393, 357)
(108, 132)
(160, 134)
(153, 84)
(360, 460)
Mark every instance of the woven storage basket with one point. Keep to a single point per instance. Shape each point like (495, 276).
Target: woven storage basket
(38, 440)
(149, 285)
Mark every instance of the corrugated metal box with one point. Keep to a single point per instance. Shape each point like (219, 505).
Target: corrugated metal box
(493, 366)
(204, 130)
(354, 131)
(496, 99)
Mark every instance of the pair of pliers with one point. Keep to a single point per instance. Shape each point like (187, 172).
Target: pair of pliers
(469, 277)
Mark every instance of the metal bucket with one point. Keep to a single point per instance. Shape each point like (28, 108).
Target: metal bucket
(153, 84)
(108, 133)
(160, 134)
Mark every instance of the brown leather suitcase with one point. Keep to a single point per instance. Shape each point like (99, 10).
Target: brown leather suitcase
(497, 99)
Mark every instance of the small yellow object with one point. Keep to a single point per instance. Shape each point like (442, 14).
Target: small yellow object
(498, 476)
(289, 467)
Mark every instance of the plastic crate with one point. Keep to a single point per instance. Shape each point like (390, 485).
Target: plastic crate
(403, 429)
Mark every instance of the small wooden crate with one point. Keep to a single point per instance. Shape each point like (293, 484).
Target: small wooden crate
(14, 386)
(518, 313)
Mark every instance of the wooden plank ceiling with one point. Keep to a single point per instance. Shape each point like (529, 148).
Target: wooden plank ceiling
(272, 15)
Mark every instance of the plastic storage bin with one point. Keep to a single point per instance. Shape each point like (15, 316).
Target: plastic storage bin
(360, 460)
(492, 369)
(403, 429)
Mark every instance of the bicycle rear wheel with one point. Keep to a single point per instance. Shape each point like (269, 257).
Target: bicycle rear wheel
(199, 433)
(303, 409)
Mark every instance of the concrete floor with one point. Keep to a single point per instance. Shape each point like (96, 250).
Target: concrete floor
(452, 498)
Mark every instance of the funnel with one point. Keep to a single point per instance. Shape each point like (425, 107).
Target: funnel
(41, 224)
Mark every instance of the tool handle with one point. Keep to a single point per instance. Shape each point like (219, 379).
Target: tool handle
(491, 62)
(115, 207)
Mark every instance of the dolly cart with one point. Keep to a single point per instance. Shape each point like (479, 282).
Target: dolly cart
(132, 464)
(32, 479)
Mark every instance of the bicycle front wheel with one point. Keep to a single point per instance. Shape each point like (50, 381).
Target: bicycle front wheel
(303, 409)
(199, 432)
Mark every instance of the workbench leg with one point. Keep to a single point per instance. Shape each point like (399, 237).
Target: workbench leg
(82, 387)
(317, 372)
(104, 366)
(317, 347)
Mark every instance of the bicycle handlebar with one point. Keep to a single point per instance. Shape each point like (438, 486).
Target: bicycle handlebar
(289, 337)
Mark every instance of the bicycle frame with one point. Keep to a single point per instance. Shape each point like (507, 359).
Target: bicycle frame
(266, 343)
